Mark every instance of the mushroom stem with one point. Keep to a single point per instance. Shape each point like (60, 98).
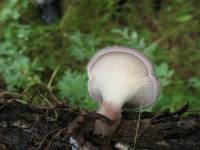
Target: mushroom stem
(110, 111)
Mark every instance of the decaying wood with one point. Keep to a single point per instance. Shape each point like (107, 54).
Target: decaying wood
(23, 126)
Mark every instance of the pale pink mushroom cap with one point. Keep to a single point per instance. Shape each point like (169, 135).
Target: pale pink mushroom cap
(120, 75)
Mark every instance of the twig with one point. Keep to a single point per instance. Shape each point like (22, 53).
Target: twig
(11, 100)
(2, 93)
(46, 100)
(49, 89)
(51, 105)
(137, 127)
(45, 137)
(192, 110)
(54, 98)
(53, 75)
(165, 36)
(51, 140)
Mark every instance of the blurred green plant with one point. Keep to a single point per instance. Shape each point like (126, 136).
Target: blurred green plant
(18, 70)
(20, 73)
(164, 74)
(10, 10)
(30, 51)
(73, 87)
(129, 38)
(82, 46)
(195, 83)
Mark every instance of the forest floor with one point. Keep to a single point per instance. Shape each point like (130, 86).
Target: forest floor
(24, 126)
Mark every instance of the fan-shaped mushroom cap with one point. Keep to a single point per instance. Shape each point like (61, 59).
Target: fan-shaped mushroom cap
(120, 75)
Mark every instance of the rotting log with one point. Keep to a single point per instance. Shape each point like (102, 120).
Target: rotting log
(24, 126)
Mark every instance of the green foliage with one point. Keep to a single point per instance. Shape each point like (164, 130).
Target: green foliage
(195, 83)
(10, 11)
(82, 46)
(30, 51)
(129, 38)
(19, 72)
(164, 74)
(73, 87)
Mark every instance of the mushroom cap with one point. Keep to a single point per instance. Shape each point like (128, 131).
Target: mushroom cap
(120, 75)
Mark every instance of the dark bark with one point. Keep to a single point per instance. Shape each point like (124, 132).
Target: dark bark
(23, 126)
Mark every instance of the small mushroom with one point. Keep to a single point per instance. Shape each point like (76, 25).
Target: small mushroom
(120, 78)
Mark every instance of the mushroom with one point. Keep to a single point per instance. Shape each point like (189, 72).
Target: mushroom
(120, 78)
